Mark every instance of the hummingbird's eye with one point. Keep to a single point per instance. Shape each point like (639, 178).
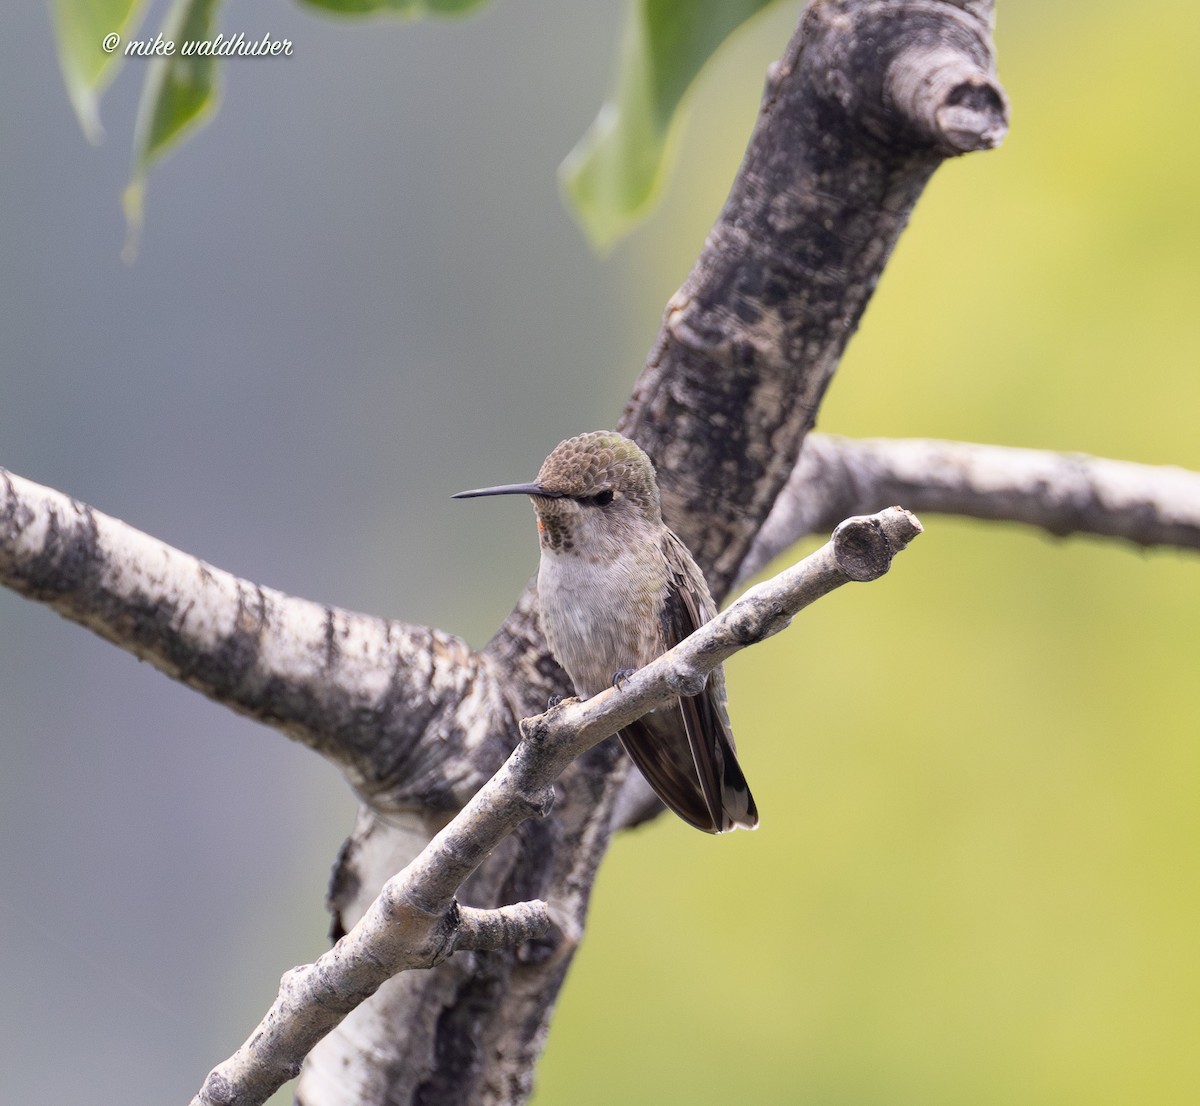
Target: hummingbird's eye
(602, 499)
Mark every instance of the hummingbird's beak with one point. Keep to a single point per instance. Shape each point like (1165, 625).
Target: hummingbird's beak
(510, 489)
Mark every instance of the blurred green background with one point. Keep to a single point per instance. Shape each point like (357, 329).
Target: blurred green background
(976, 879)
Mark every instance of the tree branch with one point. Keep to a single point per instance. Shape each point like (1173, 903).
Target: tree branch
(416, 920)
(866, 102)
(1063, 493)
(361, 691)
(397, 934)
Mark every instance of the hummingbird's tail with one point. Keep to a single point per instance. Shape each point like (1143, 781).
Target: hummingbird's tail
(687, 756)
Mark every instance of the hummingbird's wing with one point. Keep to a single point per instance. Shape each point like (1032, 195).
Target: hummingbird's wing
(657, 744)
(686, 751)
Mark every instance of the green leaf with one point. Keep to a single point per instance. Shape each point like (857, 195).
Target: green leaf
(414, 8)
(179, 93)
(80, 29)
(616, 171)
(180, 90)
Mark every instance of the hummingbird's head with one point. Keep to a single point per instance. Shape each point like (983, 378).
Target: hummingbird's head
(595, 489)
(591, 494)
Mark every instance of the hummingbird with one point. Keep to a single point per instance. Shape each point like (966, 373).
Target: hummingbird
(616, 589)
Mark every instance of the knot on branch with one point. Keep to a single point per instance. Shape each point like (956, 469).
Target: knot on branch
(217, 1090)
(949, 98)
(686, 679)
(918, 72)
(865, 545)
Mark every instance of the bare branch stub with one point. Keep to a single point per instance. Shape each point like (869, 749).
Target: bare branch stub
(943, 84)
(864, 547)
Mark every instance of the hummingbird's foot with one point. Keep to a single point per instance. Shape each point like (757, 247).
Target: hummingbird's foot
(621, 675)
(553, 701)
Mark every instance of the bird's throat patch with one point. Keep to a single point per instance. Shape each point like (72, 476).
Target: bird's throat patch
(554, 535)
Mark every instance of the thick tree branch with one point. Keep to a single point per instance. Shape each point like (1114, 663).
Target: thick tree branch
(1063, 493)
(361, 691)
(865, 104)
(416, 921)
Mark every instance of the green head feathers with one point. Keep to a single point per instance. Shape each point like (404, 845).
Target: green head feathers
(600, 462)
